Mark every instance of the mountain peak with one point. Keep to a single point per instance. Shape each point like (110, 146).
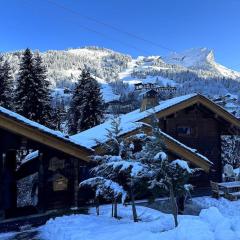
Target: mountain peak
(200, 59)
(194, 57)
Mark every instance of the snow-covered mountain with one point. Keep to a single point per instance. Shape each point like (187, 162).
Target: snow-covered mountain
(200, 59)
(194, 70)
(64, 66)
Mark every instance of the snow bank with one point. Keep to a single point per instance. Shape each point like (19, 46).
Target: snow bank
(226, 208)
(211, 224)
(212, 216)
(196, 229)
(104, 227)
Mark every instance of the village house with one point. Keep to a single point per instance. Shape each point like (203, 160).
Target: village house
(192, 127)
(52, 165)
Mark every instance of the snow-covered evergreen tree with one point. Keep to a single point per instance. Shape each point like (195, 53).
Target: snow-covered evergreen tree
(106, 189)
(43, 93)
(130, 174)
(5, 84)
(86, 108)
(166, 176)
(120, 166)
(26, 89)
(32, 94)
(58, 115)
(114, 144)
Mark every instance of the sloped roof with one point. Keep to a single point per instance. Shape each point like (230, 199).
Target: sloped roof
(129, 122)
(133, 121)
(20, 125)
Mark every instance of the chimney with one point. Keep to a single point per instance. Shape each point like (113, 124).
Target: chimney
(150, 100)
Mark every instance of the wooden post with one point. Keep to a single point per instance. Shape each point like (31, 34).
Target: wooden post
(10, 184)
(132, 197)
(2, 212)
(41, 185)
(174, 205)
(115, 208)
(76, 182)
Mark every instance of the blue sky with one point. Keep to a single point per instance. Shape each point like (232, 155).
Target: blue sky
(175, 24)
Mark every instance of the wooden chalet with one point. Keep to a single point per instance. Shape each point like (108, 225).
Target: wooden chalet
(52, 165)
(192, 126)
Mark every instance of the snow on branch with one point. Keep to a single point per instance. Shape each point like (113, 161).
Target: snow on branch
(105, 188)
(136, 168)
(182, 164)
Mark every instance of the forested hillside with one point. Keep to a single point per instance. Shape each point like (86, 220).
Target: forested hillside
(194, 70)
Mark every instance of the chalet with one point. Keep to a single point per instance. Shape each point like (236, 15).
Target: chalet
(118, 107)
(192, 126)
(52, 164)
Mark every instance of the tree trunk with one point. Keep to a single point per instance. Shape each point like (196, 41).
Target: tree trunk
(41, 186)
(115, 208)
(112, 208)
(97, 206)
(174, 205)
(134, 210)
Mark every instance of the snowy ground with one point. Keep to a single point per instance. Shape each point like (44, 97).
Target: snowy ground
(219, 220)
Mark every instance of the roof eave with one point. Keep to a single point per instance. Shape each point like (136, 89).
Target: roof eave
(18, 127)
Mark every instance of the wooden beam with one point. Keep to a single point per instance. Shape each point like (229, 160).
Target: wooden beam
(32, 133)
(41, 185)
(2, 213)
(220, 111)
(187, 154)
(198, 100)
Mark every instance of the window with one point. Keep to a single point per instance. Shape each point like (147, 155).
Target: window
(184, 131)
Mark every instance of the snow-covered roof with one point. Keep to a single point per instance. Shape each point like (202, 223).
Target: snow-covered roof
(129, 122)
(132, 121)
(17, 117)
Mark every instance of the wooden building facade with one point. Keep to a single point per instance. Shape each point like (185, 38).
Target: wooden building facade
(48, 179)
(192, 127)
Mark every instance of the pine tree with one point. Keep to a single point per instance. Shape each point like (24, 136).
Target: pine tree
(58, 115)
(106, 189)
(5, 84)
(26, 89)
(43, 111)
(167, 176)
(120, 165)
(32, 93)
(86, 108)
